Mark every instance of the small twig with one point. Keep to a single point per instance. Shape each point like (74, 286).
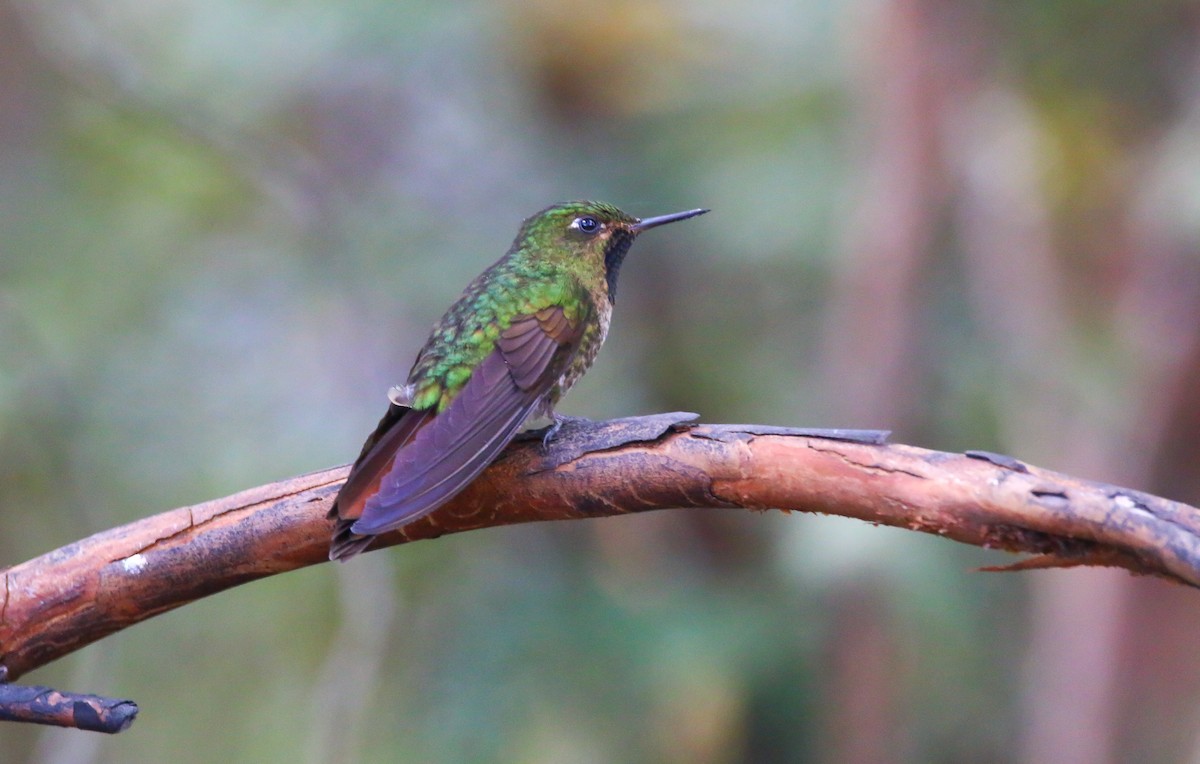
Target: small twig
(42, 705)
(73, 596)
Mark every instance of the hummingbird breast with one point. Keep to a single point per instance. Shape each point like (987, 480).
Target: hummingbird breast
(589, 346)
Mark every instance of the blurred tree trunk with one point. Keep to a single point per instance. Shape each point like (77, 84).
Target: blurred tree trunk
(944, 118)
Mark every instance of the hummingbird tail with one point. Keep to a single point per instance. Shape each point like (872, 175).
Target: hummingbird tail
(346, 543)
(394, 429)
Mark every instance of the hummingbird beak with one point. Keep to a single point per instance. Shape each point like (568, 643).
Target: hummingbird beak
(646, 224)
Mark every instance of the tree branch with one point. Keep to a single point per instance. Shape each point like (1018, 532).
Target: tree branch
(42, 705)
(73, 596)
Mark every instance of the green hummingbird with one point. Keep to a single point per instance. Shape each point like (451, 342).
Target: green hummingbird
(506, 351)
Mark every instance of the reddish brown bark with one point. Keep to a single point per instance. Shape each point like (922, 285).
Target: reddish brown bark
(68, 598)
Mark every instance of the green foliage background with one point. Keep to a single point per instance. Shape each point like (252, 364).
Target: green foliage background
(226, 227)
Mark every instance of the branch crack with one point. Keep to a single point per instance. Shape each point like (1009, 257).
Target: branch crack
(876, 466)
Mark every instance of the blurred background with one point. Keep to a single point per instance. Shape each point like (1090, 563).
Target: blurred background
(226, 228)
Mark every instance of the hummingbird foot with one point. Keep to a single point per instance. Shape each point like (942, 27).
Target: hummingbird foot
(559, 421)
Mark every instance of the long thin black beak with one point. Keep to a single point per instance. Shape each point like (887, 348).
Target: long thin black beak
(646, 224)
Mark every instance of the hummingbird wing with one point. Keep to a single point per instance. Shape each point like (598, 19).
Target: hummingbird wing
(417, 460)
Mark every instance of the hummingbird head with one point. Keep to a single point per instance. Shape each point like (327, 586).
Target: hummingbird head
(593, 235)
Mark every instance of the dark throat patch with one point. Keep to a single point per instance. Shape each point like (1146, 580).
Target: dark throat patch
(614, 255)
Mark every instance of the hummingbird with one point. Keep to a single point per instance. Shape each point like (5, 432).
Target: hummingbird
(506, 351)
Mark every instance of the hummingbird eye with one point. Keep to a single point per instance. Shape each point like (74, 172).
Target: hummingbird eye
(586, 224)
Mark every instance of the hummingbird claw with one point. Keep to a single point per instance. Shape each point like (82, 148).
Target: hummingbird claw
(559, 421)
(551, 431)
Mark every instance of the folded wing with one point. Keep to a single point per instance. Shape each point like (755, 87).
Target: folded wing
(418, 460)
